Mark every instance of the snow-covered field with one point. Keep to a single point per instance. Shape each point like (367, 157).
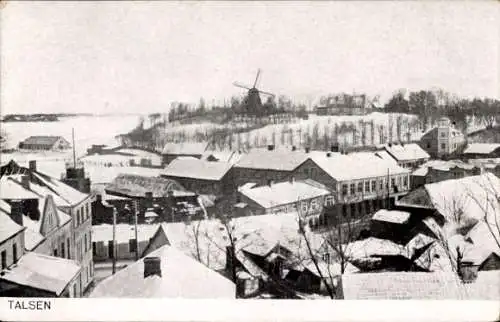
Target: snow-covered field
(88, 130)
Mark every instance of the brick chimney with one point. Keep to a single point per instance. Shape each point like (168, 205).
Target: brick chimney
(25, 182)
(467, 272)
(149, 199)
(152, 266)
(16, 212)
(32, 165)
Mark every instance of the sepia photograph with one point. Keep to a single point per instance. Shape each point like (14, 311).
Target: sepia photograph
(255, 151)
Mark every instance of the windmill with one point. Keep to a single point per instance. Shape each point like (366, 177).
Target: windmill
(252, 103)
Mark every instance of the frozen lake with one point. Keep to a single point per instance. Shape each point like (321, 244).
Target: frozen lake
(88, 130)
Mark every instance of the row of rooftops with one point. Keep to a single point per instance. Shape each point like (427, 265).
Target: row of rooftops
(338, 165)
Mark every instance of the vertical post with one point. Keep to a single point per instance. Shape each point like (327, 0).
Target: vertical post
(114, 240)
(136, 240)
(74, 153)
(388, 190)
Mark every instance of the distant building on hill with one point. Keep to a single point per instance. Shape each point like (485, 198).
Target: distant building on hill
(443, 140)
(45, 143)
(344, 105)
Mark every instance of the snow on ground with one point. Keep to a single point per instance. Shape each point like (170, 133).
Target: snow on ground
(88, 130)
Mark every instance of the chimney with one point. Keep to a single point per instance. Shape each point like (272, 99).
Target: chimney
(149, 199)
(467, 272)
(25, 182)
(294, 148)
(152, 266)
(32, 165)
(16, 212)
(270, 182)
(270, 147)
(308, 149)
(334, 148)
(98, 198)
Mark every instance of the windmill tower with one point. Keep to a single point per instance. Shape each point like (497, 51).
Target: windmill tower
(252, 103)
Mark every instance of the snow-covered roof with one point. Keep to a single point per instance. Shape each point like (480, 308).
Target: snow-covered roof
(8, 227)
(402, 286)
(481, 148)
(181, 277)
(255, 234)
(407, 152)
(472, 197)
(11, 188)
(196, 169)
(137, 186)
(42, 140)
(374, 247)
(124, 232)
(392, 216)
(484, 237)
(278, 159)
(360, 165)
(283, 193)
(223, 156)
(53, 186)
(52, 274)
(186, 148)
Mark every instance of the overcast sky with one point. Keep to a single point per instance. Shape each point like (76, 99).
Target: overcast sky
(140, 56)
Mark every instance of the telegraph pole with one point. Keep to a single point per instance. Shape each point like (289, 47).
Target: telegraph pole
(136, 240)
(114, 240)
(74, 152)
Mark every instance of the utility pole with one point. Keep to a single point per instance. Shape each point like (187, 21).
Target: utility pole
(114, 240)
(74, 153)
(136, 240)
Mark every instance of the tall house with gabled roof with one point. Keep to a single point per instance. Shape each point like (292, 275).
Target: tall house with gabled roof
(443, 140)
(31, 186)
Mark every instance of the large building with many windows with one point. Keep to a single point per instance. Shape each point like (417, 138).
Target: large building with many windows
(57, 216)
(443, 140)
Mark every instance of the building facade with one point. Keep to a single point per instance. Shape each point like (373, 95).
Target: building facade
(443, 140)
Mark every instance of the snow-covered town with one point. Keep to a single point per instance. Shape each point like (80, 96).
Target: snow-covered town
(256, 195)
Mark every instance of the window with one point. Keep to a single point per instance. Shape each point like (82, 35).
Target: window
(405, 181)
(69, 249)
(132, 244)
(393, 182)
(55, 252)
(344, 190)
(374, 185)
(14, 252)
(78, 217)
(4, 259)
(352, 188)
(443, 134)
(94, 249)
(367, 186)
(63, 255)
(326, 257)
(428, 145)
(381, 184)
(443, 146)
(85, 245)
(74, 290)
(360, 187)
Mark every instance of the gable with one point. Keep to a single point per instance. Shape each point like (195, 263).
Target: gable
(492, 262)
(158, 240)
(50, 217)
